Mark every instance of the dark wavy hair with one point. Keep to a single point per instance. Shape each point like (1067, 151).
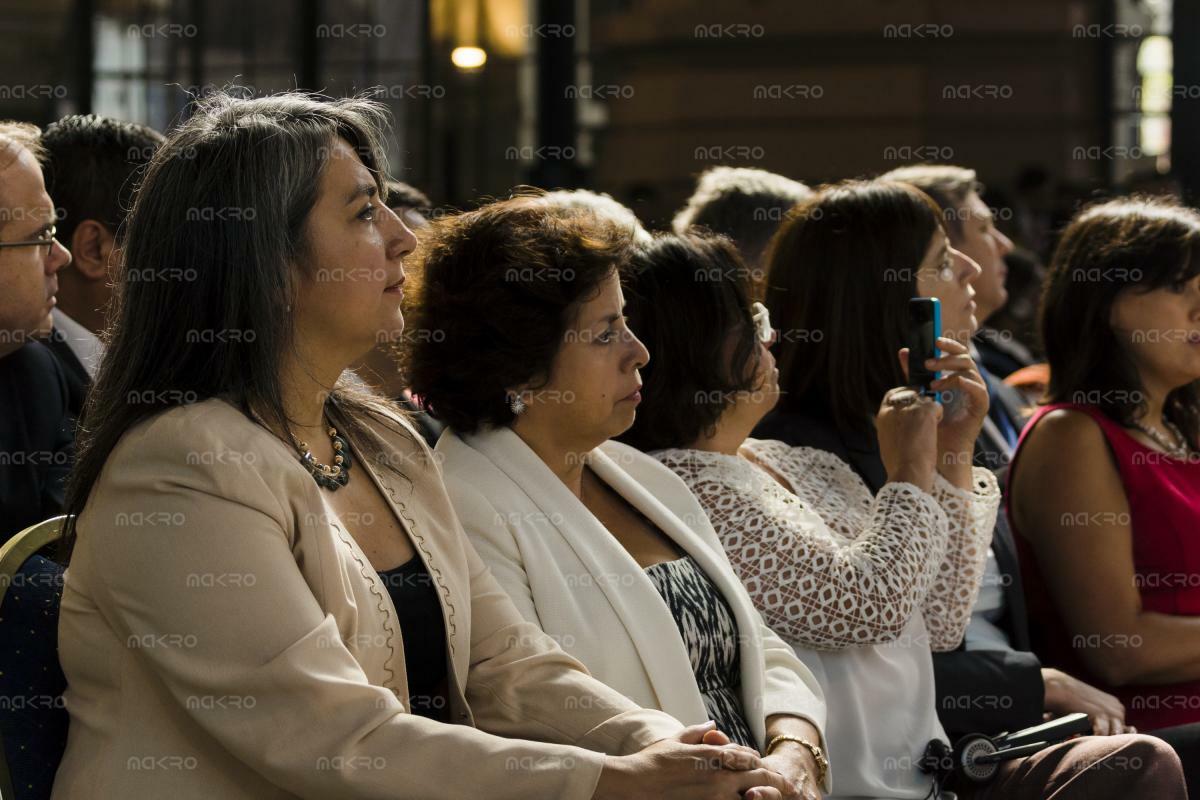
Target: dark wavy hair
(1135, 244)
(213, 244)
(498, 289)
(687, 298)
(841, 271)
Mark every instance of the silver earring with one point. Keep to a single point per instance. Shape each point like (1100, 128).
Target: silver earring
(516, 403)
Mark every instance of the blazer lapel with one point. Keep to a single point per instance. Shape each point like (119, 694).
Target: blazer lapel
(637, 604)
(715, 566)
(425, 546)
(641, 498)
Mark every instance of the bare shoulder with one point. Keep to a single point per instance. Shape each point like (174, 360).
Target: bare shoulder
(1065, 465)
(1064, 434)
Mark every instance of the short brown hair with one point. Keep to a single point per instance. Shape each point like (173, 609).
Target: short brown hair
(499, 287)
(947, 185)
(402, 195)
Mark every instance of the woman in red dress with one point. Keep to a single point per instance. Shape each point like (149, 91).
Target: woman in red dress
(1105, 487)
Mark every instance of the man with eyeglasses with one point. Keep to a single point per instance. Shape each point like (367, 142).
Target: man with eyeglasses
(36, 432)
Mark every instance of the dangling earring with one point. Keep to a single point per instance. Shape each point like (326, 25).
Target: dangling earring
(516, 403)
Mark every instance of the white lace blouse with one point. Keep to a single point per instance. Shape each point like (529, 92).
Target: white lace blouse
(842, 575)
(829, 565)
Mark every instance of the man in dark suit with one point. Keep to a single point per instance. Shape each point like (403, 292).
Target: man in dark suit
(36, 434)
(92, 168)
(999, 350)
(1007, 412)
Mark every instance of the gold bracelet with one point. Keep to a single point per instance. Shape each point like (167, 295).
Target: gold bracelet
(817, 754)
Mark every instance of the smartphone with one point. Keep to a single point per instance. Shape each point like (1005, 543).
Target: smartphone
(924, 329)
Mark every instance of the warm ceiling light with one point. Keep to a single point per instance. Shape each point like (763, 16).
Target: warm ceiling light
(468, 57)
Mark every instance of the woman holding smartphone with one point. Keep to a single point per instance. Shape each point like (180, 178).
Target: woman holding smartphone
(862, 586)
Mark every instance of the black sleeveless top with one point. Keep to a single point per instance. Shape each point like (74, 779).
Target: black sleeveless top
(414, 594)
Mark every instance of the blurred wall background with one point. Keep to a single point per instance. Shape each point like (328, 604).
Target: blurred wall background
(1049, 99)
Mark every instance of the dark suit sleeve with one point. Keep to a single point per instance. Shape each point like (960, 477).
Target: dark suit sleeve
(988, 691)
(60, 437)
(55, 487)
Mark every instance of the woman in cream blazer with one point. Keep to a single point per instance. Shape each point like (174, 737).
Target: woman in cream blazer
(567, 574)
(225, 636)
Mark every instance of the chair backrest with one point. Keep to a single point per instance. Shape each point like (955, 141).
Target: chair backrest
(17, 550)
(33, 723)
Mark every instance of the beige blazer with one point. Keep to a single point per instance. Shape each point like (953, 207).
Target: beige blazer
(224, 637)
(566, 573)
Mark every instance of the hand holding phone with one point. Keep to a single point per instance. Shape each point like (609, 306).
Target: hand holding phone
(924, 329)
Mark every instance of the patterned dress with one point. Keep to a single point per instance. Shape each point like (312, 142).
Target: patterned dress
(710, 633)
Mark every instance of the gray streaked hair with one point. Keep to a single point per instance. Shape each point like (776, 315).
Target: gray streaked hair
(743, 203)
(216, 241)
(17, 136)
(604, 207)
(947, 185)
(14, 138)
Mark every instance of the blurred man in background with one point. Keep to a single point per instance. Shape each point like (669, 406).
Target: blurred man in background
(93, 165)
(745, 204)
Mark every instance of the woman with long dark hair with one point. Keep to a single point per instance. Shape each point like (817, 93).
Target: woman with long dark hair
(1105, 486)
(269, 594)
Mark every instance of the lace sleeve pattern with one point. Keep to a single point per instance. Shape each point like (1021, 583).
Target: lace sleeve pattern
(972, 518)
(851, 577)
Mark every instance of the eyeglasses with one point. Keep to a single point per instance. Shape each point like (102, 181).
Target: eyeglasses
(762, 322)
(45, 240)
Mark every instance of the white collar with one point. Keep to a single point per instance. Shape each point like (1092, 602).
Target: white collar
(86, 346)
